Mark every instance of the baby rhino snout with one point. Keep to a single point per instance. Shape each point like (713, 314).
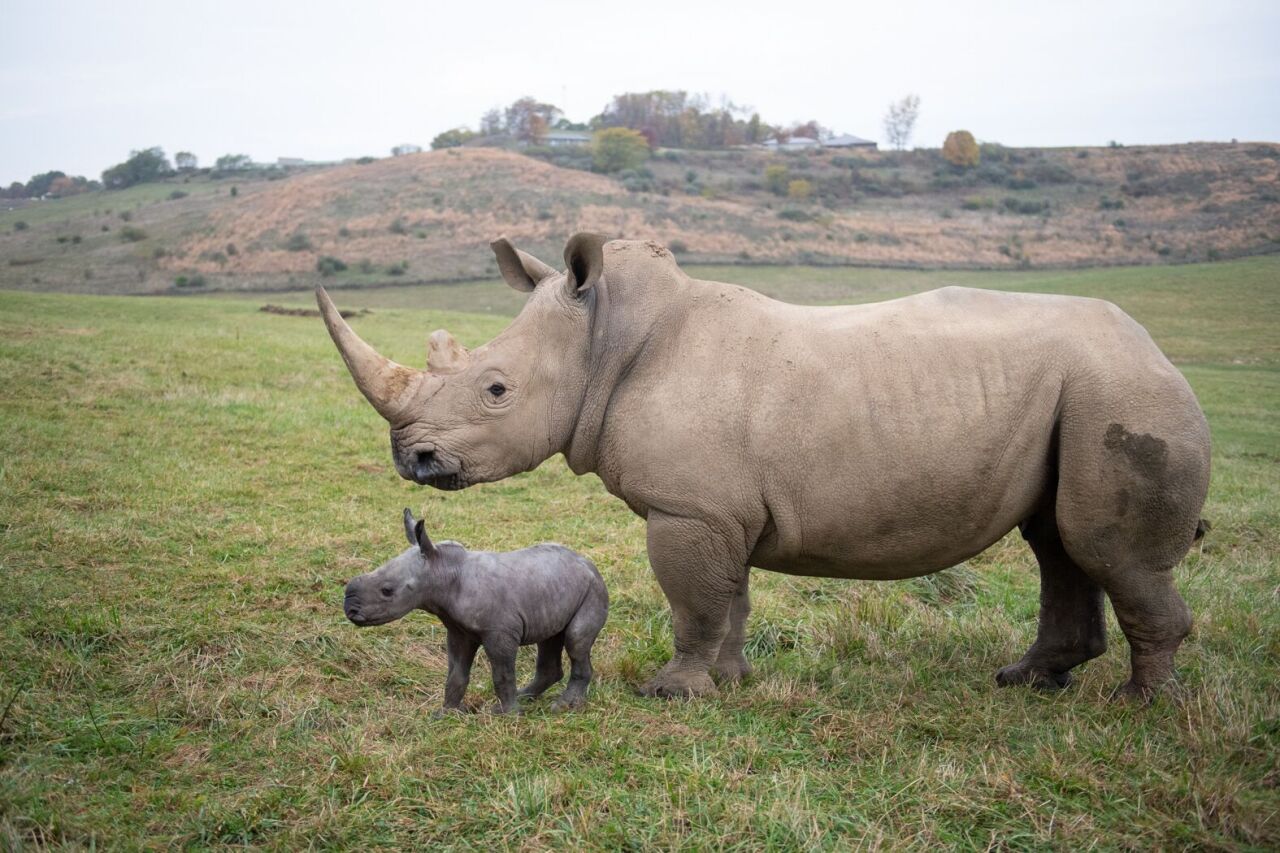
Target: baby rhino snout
(351, 604)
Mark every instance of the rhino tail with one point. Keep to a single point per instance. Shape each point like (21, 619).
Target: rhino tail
(1202, 527)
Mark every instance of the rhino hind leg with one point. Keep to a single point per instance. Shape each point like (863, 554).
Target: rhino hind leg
(731, 664)
(1072, 626)
(579, 637)
(1131, 488)
(549, 669)
(1155, 621)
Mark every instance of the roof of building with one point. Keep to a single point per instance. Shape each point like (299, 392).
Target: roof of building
(846, 139)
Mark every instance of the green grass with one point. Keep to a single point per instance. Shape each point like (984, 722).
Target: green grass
(185, 484)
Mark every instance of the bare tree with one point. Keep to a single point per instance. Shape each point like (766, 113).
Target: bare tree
(491, 122)
(900, 120)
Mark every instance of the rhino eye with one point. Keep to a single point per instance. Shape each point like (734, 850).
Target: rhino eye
(386, 591)
(497, 389)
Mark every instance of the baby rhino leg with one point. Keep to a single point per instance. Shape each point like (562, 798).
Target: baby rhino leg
(549, 670)
(579, 636)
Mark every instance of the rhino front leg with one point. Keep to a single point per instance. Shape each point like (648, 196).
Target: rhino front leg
(501, 651)
(700, 571)
(731, 665)
(461, 650)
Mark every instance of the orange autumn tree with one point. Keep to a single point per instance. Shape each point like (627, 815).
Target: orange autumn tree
(961, 149)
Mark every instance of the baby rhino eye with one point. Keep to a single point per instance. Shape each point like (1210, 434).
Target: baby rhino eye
(497, 389)
(386, 591)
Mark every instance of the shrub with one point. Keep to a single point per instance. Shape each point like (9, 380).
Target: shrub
(799, 189)
(1052, 173)
(193, 280)
(232, 250)
(298, 242)
(75, 238)
(20, 225)
(618, 148)
(344, 232)
(793, 215)
(961, 150)
(177, 194)
(775, 178)
(131, 234)
(678, 246)
(364, 161)
(398, 226)
(126, 215)
(1020, 182)
(235, 192)
(399, 268)
(452, 138)
(1110, 203)
(327, 265)
(1025, 207)
(977, 202)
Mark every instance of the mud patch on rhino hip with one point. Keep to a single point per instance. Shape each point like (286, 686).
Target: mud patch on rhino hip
(1147, 454)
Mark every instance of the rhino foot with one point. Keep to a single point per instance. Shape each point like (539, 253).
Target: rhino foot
(1034, 676)
(731, 670)
(1145, 694)
(679, 684)
(561, 704)
(445, 713)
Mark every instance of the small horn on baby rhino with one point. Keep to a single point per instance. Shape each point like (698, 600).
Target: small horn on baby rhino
(380, 380)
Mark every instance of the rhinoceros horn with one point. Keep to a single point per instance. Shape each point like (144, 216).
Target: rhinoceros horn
(444, 354)
(383, 382)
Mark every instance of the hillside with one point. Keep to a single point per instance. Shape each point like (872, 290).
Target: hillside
(429, 217)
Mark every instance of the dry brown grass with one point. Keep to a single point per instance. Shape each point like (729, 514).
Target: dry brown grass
(429, 217)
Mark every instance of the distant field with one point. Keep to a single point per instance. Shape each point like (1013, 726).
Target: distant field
(186, 484)
(429, 217)
(1195, 308)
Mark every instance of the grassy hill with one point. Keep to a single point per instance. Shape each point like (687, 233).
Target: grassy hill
(429, 217)
(186, 484)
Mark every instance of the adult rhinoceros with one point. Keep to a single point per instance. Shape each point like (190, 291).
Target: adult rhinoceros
(872, 441)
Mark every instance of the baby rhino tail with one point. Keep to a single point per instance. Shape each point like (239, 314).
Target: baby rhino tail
(1202, 528)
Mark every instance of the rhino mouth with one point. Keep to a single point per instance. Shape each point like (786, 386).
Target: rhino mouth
(446, 482)
(428, 468)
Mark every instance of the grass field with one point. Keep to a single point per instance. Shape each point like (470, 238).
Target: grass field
(185, 485)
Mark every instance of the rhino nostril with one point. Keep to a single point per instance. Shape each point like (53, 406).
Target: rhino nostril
(426, 457)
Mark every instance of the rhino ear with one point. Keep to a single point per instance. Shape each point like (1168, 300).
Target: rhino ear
(408, 526)
(584, 260)
(519, 269)
(422, 540)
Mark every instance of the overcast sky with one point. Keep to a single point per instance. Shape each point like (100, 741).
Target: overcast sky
(83, 83)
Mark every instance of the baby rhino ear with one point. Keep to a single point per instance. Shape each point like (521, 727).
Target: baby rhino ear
(424, 541)
(416, 531)
(409, 526)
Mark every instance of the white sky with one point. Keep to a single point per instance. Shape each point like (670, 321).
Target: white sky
(83, 83)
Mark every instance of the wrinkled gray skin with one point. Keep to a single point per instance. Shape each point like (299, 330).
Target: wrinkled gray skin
(547, 594)
(871, 441)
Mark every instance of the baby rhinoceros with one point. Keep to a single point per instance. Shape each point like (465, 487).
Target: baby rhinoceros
(546, 594)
